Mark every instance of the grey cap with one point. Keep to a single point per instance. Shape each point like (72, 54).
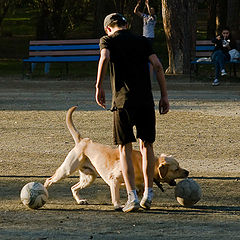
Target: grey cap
(114, 17)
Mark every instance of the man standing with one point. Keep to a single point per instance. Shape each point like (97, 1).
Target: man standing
(149, 20)
(132, 100)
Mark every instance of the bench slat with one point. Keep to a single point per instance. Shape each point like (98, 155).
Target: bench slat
(62, 59)
(62, 42)
(63, 47)
(202, 62)
(204, 48)
(204, 42)
(203, 54)
(64, 53)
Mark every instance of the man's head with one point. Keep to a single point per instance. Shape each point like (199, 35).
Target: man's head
(114, 20)
(152, 11)
(226, 32)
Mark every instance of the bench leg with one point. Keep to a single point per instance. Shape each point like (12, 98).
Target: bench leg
(234, 70)
(29, 70)
(47, 68)
(196, 69)
(67, 69)
(23, 70)
(191, 69)
(230, 70)
(232, 66)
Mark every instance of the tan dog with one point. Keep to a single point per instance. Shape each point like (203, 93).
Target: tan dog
(91, 159)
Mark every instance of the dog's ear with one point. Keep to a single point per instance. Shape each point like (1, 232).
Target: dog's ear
(163, 170)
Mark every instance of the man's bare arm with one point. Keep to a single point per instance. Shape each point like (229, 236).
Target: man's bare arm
(102, 70)
(148, 7)
(163, 103)
(136, 9)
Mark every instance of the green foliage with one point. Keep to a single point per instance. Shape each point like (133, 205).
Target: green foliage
(56, 18)
(69, 19)
(10, 68)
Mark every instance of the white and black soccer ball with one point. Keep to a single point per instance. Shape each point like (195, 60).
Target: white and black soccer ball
(34, 195)
(188, 192)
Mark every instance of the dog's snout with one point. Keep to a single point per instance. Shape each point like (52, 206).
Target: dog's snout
(186, 173)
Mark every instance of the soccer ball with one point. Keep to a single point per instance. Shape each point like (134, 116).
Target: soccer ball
(188, 192)
(34, 195)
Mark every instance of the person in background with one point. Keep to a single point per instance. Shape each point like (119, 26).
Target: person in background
(132, 101)
(223, 44)
(149, 22)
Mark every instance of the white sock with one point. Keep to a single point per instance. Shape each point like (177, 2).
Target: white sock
(132, 195)
(148, 193)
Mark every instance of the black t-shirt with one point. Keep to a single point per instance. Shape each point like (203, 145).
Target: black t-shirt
(129, 69)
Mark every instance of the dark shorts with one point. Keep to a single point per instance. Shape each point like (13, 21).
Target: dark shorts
(142, 118)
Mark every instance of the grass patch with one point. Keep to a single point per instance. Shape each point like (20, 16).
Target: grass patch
(14, 47)
(76, 70)
(10, 68)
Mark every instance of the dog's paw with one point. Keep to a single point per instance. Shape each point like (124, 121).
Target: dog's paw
(82, 202)
(47, 183)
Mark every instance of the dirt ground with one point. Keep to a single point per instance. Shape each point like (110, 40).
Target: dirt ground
(202, 131)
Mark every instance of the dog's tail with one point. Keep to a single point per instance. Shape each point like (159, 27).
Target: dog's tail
(74, 132)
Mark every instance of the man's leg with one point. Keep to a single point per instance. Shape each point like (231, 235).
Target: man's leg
(129, 177)
(127, 166)
(151, 71)
(148, 162)
(221, 61)
(215, 58)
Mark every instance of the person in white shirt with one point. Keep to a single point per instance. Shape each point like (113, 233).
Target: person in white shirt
(149, 22)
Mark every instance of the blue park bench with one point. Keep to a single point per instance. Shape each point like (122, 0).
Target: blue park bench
(61, 51)
(204, 49)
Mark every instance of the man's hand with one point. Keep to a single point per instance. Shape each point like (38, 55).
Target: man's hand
(100, 97)
(163, 105)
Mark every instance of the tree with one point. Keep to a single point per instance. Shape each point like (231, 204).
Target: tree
(179, 21)
(233, 17)
(6, 6)
(221, 16)
(105, 7)
(102, 8)
(58, 17)
(211, 20)
(222, 13)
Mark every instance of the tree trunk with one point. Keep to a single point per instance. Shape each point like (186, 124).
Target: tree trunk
(233, 18)
(4, 6)
(179, 21)
(221, 17)
(103, 7)
(211, 26)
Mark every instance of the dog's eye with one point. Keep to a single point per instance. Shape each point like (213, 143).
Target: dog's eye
(176, 169)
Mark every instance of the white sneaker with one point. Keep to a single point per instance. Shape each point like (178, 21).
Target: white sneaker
(131, 206)
(215, 82)
(223, 72)
(145, 203)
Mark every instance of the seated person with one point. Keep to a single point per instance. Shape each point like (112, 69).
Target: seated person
(223, 44)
